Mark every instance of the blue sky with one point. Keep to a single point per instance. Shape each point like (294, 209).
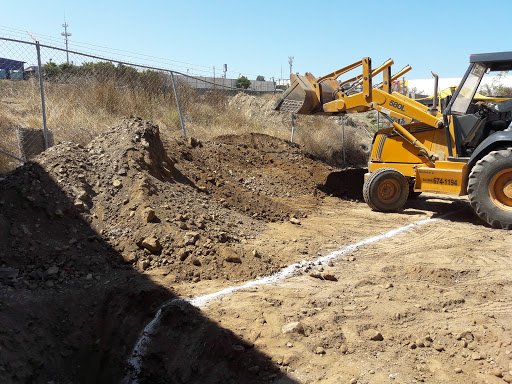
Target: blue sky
(257, 37)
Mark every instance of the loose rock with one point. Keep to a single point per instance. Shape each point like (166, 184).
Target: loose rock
(296, 327)
(329, 276)
(143, 265)
(497, 372)
(129, 257)
(191, 238)
(375, 335)
(320, 351)
(294, 220)
(230, 255)
(152, 244)
(148, 215)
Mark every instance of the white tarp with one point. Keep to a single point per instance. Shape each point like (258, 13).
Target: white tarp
(426, 86)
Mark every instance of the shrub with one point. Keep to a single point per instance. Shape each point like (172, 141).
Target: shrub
(243, 82)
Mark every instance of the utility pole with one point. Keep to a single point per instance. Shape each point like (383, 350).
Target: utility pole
(290, 61)
(66, 35)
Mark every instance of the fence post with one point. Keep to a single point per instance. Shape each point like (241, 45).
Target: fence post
(343, 138)
(293, 126)
(178, 104)
(41, 87)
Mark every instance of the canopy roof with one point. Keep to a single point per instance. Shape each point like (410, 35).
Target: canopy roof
(497, 61)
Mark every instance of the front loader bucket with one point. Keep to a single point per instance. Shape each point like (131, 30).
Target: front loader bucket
(300, 97)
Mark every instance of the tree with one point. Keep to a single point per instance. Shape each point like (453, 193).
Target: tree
(51, 69)
(243, 82)
(260, 78)
(496, 88)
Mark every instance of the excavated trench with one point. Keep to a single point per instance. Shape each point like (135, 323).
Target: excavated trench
(79, 225)
(80, 228)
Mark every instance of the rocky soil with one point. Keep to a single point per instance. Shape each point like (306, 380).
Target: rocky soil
(80, 223)
(93, 240)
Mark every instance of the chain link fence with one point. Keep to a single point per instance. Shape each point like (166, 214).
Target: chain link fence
(60, 95)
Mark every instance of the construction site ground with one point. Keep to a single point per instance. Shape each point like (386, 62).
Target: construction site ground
(94, 240)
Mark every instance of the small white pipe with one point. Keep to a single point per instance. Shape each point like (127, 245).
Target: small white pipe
(135, 360)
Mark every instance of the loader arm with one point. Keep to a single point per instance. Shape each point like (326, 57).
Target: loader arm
(309, 95)
(455, 153)
(329, 96)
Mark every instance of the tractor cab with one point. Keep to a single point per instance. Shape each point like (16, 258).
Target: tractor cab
(471, 122)
(466, 150)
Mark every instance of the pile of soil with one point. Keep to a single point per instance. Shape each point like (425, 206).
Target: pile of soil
(80, 227)
(320, 135)
(258, 107)
(172, 204)
(94, 240)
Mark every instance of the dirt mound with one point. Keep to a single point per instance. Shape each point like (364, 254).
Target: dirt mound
(264, 179)
(79, 225)
(254, 106)
(174, 206)
(93, 240)
(320, 135)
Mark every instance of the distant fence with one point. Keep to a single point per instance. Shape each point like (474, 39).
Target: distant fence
(30, 73)
(200, 82)
(64, 95)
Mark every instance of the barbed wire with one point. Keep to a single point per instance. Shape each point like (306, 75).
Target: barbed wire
(125, 55)
(124, 63)
(75, 102)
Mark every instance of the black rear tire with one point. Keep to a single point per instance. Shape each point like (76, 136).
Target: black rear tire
(386, 190)
(490, 188)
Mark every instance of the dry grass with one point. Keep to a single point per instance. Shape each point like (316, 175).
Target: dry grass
(79, 110)
(324, 138)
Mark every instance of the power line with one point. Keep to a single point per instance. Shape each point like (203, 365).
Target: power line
(94, 49)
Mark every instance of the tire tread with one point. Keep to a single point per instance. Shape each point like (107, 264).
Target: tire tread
(367, 186)
(478, 193)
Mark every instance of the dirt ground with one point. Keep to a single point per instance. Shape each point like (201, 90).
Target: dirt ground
(94, 240)
(428, 305)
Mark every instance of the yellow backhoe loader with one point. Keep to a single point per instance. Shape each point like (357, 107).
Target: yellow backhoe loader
(465, 150)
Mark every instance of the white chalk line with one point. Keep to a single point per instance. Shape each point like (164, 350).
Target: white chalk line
(203, 300)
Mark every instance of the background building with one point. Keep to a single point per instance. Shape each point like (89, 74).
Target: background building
(11, 69)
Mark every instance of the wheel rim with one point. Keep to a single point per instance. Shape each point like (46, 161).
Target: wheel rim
(389, 191)
(500, 189)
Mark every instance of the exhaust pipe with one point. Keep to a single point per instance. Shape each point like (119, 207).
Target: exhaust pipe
(434, 110)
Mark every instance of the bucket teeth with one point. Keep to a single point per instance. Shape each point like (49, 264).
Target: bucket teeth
(292, 106)
(302, 97)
